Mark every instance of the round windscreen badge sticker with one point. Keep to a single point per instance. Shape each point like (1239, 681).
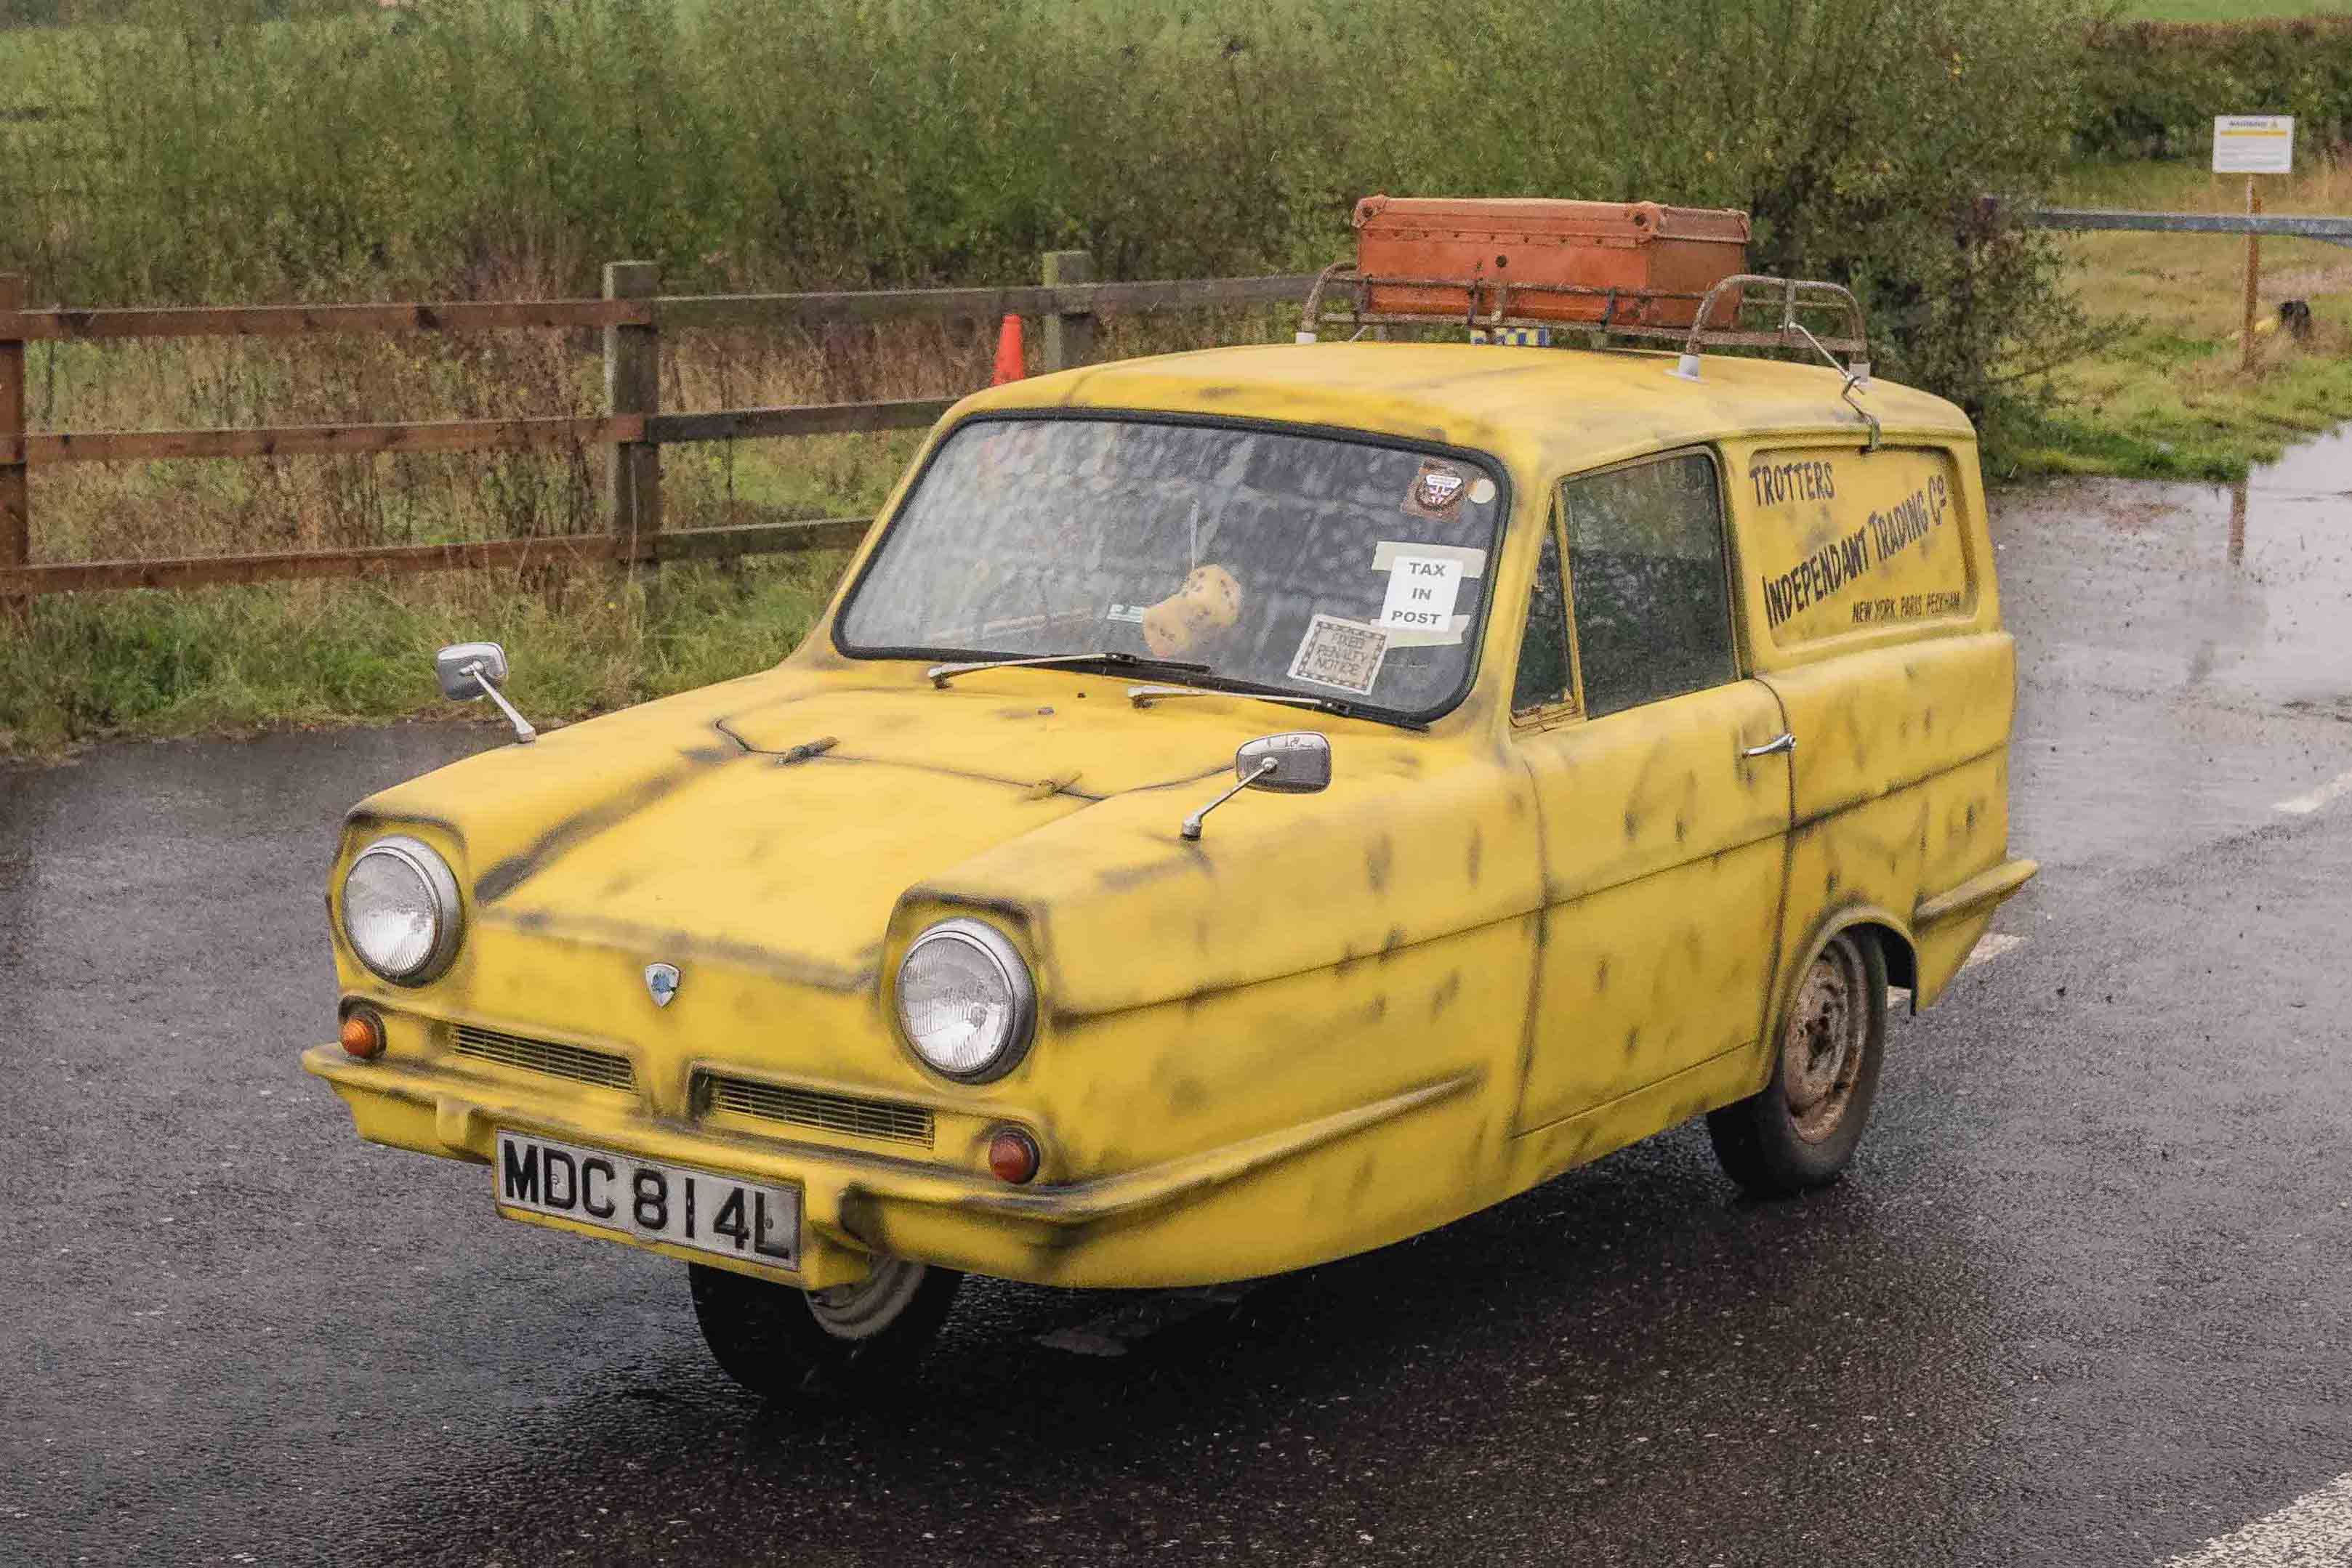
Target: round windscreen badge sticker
(1482, 490)
(1435, 492)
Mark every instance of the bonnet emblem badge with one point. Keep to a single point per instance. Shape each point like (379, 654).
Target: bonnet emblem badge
(661, 983)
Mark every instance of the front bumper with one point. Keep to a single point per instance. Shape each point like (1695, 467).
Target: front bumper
(1135, 1229)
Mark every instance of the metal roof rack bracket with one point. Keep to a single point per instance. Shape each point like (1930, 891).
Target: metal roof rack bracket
(1618, 314)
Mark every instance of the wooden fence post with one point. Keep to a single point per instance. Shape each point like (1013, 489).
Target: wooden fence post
(2253, 274)
(1069, 335)
(16, 515)
(633, 385)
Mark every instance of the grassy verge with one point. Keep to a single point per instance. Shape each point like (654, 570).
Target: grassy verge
(2163, 395)
(2232, 10)
(86, 666)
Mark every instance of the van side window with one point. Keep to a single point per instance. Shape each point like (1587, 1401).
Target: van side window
(1543, 654)
(1647, 582)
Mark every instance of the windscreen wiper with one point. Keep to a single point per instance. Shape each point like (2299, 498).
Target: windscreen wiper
(1144, 696)
(941, 674)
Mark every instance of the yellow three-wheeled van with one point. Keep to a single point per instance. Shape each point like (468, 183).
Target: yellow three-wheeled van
(1241, 809)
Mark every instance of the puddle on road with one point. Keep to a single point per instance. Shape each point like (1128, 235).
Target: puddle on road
(2185, 652)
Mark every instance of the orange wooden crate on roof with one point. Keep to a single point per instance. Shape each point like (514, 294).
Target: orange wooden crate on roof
(1641, 248)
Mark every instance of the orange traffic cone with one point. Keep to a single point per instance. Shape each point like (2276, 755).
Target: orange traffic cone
(1008, 353)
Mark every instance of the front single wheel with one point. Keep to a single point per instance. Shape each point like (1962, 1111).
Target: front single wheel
(786, 1344)
(1799, 1130)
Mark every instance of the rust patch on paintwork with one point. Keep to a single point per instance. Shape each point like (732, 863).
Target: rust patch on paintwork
(629, 936)
(861, 1217)
(1119, 878)
(1477, 854)
(360, 819)
(1377, 860)
(1222, 770)
(1029, 917)
(1023, 785)
(569, 833)
(1447, 990)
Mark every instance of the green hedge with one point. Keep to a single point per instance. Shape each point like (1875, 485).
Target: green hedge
(2152, 89)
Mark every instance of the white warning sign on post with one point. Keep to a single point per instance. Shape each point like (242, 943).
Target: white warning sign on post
(2253, 145)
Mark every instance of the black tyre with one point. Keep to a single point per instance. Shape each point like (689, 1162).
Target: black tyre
(1802, 1127)
(786, 1344)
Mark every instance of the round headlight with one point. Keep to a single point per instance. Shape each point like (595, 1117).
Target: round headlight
(400, 910)
(966, 1000)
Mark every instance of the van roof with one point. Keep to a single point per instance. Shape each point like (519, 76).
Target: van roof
(1560, 409)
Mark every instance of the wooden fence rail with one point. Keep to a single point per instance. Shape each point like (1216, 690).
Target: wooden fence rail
(633, 315)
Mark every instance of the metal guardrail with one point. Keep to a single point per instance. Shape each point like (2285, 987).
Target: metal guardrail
(2089, 220)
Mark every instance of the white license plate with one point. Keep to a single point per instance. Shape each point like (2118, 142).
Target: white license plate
(651, 1201)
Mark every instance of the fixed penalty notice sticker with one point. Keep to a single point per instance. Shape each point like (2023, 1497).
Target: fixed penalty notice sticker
(1346, 654)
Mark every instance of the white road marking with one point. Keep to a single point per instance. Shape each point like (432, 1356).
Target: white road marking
(2314, 1531)
(1991, 945)
(2310, 801)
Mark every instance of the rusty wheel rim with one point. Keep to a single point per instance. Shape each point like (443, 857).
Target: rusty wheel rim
(1821, 1047)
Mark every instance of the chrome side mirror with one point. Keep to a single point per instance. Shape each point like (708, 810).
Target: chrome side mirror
(467, 670)
(471, 670)
(1296, 763)
(1299, 763)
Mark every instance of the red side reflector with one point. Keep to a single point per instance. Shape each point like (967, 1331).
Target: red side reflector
(1011, 1155)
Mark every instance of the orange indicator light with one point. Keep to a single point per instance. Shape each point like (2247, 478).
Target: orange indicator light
(363, 1033)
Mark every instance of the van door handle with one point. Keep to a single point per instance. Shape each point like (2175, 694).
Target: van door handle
(1784, 741)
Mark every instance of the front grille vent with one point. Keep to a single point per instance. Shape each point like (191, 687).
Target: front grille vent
(884, 1119)
(576, 1062)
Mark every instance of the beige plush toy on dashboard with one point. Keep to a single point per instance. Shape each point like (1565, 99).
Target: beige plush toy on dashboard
(1210, 599)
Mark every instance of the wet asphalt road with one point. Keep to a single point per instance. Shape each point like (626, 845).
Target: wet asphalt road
(2085, 1299)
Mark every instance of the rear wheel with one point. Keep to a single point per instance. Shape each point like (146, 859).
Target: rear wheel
(1799, 1130)
(783, 1343)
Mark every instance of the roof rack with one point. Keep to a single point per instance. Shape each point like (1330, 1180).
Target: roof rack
(1717, 317)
